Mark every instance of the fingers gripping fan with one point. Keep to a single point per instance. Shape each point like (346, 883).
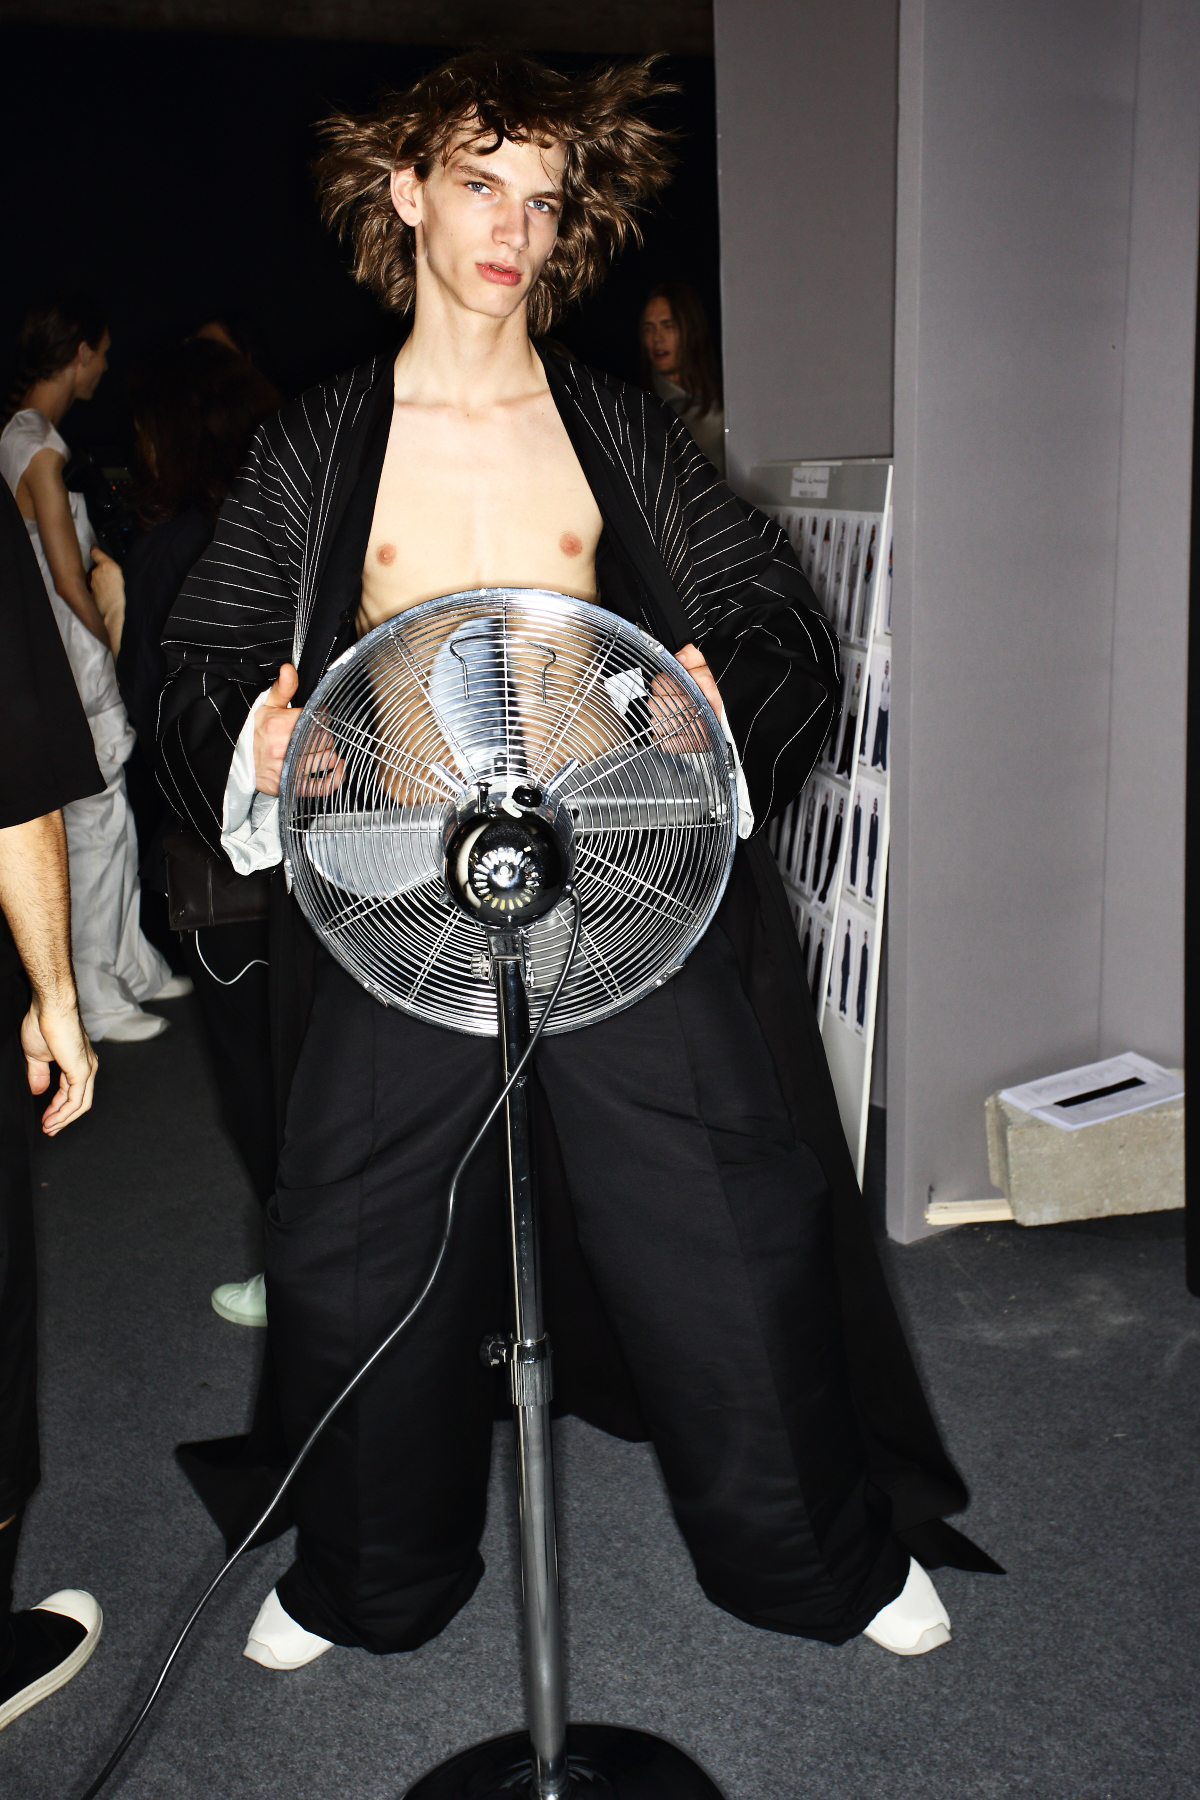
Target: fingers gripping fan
(464, 762)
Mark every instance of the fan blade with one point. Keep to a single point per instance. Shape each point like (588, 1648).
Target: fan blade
(376, 855)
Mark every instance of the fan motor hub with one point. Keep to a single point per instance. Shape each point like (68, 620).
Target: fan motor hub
(508, 864)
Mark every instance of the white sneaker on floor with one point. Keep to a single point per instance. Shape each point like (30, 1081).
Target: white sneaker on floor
(51, 1642)
(242, 1302)
(915, 1621)
(177, 988)
(277, 1642)
(133, 1027)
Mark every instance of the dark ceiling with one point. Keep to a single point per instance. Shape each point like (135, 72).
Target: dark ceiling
(627, 27)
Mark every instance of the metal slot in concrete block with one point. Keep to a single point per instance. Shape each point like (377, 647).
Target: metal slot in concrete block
(1131, 1164)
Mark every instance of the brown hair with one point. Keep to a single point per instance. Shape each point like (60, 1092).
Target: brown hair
(196, 407)
(615, 161)
(50, 335)
(698, 374)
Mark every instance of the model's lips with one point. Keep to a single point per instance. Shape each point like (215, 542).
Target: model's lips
(501, 273)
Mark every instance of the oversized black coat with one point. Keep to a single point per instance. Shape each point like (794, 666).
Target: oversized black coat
(682, 556)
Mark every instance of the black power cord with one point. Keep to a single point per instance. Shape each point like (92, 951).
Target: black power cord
(365, 1368)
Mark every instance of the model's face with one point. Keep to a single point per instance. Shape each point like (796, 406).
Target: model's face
(661, 337)
(485, 224)
(90, 366)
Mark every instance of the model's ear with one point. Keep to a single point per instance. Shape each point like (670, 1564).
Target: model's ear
(406, 195)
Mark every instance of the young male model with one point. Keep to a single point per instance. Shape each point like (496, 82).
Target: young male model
(711, 1278)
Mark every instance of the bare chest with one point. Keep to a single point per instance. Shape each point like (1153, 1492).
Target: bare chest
(494, 501)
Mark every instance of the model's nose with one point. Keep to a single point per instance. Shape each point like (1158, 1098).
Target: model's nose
(513, 227)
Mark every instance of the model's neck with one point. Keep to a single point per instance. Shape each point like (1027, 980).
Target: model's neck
(51, 397)
(457, 358)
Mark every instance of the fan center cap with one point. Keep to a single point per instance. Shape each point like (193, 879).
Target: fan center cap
(508, 870)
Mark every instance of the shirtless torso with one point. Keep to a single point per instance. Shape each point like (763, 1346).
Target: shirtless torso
(487, 498)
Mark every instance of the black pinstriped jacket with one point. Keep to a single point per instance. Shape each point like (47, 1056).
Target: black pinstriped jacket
(685, 558)
(680, 554)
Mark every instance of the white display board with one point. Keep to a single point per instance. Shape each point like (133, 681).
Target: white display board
(832, 843)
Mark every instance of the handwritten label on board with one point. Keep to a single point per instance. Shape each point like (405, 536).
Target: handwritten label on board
(810, 481)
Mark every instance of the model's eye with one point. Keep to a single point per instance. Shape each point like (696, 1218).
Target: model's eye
(544, 206)
(479, 187)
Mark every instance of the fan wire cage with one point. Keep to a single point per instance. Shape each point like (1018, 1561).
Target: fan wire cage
(501, 691)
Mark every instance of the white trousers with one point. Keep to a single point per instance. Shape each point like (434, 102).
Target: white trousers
(115, 966)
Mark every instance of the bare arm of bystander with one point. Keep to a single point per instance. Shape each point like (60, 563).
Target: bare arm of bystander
(35, 897)
(43, 483)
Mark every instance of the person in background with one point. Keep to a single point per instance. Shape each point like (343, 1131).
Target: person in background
(47, 762)
(196, 407)
(236, 330)
(679, 364)
(62, 354)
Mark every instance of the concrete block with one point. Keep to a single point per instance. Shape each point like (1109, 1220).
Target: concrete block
(1128, 1165)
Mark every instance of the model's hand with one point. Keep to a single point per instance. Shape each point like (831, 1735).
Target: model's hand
(274, 724)
(108, 591)
(55, 1034)
(675, 727)
(693, 661)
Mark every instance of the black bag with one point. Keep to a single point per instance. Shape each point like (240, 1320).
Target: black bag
(203, 890)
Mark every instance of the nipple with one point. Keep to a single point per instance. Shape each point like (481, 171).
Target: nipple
(569, 544)
(386, 554)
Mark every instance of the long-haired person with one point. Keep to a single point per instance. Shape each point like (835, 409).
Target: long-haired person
(196, 406)
(62, 352)
(679, 364)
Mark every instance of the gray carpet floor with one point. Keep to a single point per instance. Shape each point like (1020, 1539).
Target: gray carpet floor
(1064, 1365)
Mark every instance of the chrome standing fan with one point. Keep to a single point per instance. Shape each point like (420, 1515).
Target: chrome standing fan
(508, 812)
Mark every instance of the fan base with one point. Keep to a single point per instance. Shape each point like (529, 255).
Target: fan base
(607, 1762)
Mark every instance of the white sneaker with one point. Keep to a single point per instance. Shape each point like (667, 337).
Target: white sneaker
(177, 988)
(132, 1027)
(277, 1642)
(47, 1654)
(242, 1302)
(915, 1621)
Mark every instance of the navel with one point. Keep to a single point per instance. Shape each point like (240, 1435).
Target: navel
(569, 544)
(385, 554)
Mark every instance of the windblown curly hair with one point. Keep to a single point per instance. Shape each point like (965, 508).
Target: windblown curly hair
(616, 160)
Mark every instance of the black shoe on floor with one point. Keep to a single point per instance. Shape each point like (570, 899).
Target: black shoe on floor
(50, 1643)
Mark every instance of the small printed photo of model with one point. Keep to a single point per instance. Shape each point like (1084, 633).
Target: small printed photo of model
(829, 828)
(887, 593)
(837, 803)
(866, 829)
(864, 946)
(813, 850)
(856, 670)
(805, 810)
(804, 929)
(861, 629)
(852, 967)
(849, 599)
(819, 955)
(837, 574)
(821, 582)
(873, 738)
(812, 550)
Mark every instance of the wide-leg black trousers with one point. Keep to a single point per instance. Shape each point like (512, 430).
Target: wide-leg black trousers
(706, 1228)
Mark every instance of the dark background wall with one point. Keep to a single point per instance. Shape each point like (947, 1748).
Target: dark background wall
(168, 173)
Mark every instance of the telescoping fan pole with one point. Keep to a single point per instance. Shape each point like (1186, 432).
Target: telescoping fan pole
(528, 1358)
